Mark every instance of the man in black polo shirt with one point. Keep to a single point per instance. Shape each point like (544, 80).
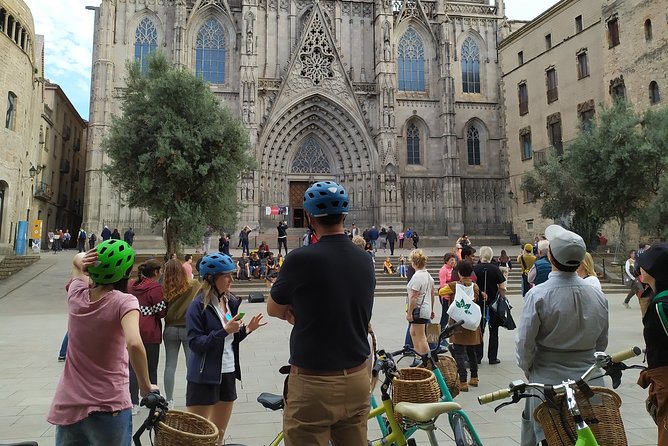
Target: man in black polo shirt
(326, 291)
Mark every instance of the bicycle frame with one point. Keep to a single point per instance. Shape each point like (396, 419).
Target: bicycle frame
(397, 436)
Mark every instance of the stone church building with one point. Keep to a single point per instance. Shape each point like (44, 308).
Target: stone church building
(398, 100)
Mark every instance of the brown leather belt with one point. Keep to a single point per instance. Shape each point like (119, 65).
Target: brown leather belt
(312, 372)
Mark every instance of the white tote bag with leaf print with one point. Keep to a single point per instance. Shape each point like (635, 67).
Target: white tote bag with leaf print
(463, 308)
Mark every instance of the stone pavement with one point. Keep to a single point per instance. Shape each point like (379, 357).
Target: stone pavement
(33, 321)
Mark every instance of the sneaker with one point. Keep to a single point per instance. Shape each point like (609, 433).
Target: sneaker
(463, 386)
(473, 382)
(626, 305)
(61, 359)
(170, 404)
(135, 409)
(494, 361)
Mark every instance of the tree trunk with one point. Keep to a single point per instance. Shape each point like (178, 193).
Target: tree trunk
(171, 242)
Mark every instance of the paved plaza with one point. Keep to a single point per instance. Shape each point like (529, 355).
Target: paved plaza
(33, 321)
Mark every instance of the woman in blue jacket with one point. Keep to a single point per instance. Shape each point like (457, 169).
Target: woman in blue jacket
(214, 331)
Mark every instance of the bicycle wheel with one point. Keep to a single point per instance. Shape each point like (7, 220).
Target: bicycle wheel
(462, 431)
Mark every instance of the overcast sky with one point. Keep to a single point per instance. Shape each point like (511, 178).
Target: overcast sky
(68, 32)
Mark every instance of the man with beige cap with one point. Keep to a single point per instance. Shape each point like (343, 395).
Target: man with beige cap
(564, 321)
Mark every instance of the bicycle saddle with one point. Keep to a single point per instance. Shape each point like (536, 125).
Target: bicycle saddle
(425, 411)
(270, 401)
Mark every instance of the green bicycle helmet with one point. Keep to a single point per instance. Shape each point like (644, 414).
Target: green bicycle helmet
(114, 262)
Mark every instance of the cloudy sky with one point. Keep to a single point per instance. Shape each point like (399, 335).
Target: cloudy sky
(68, 32)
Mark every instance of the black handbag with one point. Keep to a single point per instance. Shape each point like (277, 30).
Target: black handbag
(501, 307)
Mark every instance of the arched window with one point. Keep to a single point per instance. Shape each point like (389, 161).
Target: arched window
(470, 66)
(413, 145)
(310, 158)
(648, 30)
(473, 146)
(410, 61)
(654, 96)
(146, 41)
(210, 52)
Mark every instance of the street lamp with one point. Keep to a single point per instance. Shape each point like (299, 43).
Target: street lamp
(34, 170)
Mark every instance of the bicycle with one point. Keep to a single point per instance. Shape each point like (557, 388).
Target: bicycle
(612, 366)
(462, 428)
(422, 415)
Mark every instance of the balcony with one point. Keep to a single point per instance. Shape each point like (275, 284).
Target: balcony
(43, 191)
(539, 157)
(65, 166)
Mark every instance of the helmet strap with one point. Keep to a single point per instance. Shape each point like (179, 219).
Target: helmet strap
(308, 224)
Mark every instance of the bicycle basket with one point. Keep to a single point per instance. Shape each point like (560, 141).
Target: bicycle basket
(415, 385)
(601, 413)
(448, 367)
(184, 428)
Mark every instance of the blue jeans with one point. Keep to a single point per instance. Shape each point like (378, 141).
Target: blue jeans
(98, 429)
(63, 348)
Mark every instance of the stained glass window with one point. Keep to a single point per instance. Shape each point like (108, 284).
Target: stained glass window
(470, 66)
(473, 146)
(413, 145)
(210, 52)
(146, 41)
(310, 158)
(410, 61)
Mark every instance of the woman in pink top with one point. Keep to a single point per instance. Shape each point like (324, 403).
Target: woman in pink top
(444, 275)
(92, 401)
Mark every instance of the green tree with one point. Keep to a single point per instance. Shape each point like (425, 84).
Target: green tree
(653, 217)
(561, 199)
(601, 175)
(176, 152)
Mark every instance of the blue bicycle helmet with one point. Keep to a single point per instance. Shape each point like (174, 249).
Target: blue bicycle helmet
(326, 198)
(216, 263)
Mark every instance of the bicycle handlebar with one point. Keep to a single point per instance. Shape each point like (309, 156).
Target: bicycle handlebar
(497, 395)
(602, 361)
(625, 354)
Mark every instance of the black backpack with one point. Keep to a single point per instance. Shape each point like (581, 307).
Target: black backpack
(82, 235)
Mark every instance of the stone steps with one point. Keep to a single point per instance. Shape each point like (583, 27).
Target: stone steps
(395, 286)
(13, 264)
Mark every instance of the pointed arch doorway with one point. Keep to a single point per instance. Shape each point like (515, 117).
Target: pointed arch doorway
(310, 160)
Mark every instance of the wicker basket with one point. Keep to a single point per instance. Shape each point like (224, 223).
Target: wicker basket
(448, 367)
(184, 428)
(601, 413)
(415, 385)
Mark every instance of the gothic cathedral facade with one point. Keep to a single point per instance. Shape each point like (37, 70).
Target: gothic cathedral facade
(398, 100)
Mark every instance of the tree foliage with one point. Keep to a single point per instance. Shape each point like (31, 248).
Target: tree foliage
(609, 172)
(176, 152)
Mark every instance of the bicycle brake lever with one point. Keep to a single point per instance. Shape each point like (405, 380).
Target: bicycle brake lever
(515, 399)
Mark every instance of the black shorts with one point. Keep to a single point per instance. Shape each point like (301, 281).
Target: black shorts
(420, 321)
(210, 394)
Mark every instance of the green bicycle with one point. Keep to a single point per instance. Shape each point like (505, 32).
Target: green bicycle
(612, 366)
(462, 428)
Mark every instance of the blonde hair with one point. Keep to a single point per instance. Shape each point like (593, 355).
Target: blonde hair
(174, 280)
(486, 254)
(418, 258)
(359, 241)
(588, 265)
(209, 291)
(504, 270)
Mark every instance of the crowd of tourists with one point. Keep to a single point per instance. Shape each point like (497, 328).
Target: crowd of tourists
(116, 325)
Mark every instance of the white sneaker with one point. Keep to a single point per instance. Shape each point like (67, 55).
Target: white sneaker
(626, 305)
(170, 404)
(135, 409)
